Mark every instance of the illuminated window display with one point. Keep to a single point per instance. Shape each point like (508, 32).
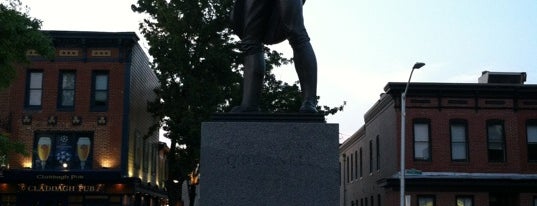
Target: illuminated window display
(63, 150)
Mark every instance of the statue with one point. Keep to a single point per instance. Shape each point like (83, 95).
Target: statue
(259, 22)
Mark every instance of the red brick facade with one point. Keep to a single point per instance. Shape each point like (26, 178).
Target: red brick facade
(440, 178)
(120, 141)
(109, 148)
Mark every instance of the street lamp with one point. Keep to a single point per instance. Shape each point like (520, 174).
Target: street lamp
(403, 121)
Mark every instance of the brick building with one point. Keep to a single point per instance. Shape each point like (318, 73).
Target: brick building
(466, 144)
(83, 117)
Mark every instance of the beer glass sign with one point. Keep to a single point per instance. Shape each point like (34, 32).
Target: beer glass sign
(63, 151)
(83, 150)
(44, 145)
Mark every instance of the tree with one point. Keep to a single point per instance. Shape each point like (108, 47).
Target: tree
(7, 146)
(18, 34)
(194, 58)
(197, 61)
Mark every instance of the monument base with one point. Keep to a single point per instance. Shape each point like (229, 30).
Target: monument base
(269, 163)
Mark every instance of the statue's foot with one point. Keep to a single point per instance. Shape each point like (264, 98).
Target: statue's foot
(245, 109)
(308, 107)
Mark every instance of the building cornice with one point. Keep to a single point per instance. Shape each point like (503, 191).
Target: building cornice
(484, 90)
(352, 139)
(91, 38)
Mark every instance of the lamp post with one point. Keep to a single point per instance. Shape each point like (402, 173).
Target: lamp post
(403, 121)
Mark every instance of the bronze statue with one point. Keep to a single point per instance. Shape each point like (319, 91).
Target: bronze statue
(259, 22)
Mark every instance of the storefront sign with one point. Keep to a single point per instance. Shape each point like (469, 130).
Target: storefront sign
(61, 188)
(59, 177)
(55, 177)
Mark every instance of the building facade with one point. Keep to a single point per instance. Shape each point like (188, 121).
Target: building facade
(83, 118)
(466, 144)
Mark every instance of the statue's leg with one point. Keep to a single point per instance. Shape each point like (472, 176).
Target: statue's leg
(303, 54)
(306, 68)
(255, 20)
(254, 69)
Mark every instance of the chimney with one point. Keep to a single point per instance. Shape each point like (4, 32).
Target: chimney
(488, 77)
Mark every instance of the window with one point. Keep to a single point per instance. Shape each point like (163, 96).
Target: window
(504, 198)
(495, 141)
(356, 164)
(348, 169)
(100, 91)
(426, 200)
(34, 89)
(66, 91)
(352, 166)
(361, 163)
(465, 201)
(378, 153)
(370, 156)
(153, 156)
(147, 150)
(531, 132)
(459, 140)
(422, 145)
(138, 145)
(379, 203)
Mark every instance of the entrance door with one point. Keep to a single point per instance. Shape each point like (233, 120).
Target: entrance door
(503, 199)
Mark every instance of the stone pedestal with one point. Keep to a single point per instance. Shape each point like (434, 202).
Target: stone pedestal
(247, 163)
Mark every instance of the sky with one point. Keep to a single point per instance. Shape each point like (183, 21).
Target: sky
(362, 45)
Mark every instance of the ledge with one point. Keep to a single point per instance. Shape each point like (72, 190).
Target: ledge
(268, 117)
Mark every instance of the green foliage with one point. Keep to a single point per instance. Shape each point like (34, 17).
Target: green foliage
(18, 34)
(7, 146)
(196, 59)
